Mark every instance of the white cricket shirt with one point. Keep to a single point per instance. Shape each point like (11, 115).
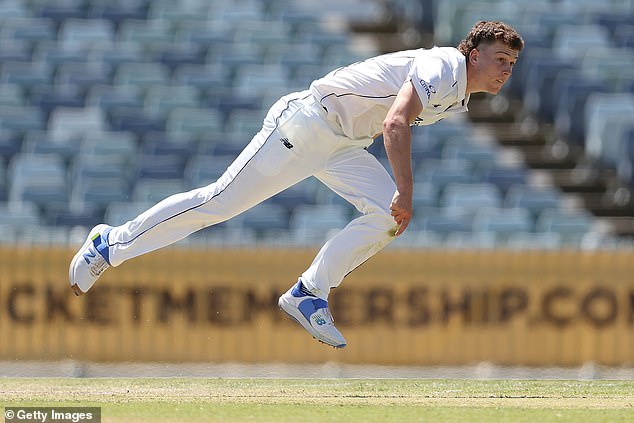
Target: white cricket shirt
(359, 96)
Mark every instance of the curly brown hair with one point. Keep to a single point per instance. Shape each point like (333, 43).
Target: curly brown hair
(488, 32)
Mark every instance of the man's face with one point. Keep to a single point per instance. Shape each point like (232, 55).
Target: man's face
(493, 64)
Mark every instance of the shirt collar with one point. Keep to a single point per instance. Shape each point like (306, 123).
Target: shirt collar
(461, 79)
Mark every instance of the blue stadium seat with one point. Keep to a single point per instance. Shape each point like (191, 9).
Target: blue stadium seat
(109, 98)
(572, 91)
(541, 79)
(476, 154)
(141, 74)
(263, 32)
(61, 10)
(15, 51)
(607, 117)
(302, 193)
(204, 170)
(111, 56)
(292, 56)
(443, 172)
(21, 119)
(532, 57)
(49, 97)
(233, 56)
(534, 241)
(118, 11)
(100, 191)
(42, 142)
(468, 198)
(312, 224)
(611, 65)
(83, 75)
(118, 213)
(10, 143)
(20, 214)
(155, 190)
(96, 160)
(66, 122)
(624, 36)
(237, 11)
(572, 226)
(196, 123)
(85, 33)
(132, 119)
(502, 221)
(504, 177)
(425, 194)
(534, 199)
(30, 29)
(470, 241)
(38, 178)
(11, 9)
(203, 35)
(121, 146)
(4, 189)
(54, 54)
(26, 74)
(175, 12)
(264, 218)
(161, 100)
(211, 80)
(159, 143)
(164, 166)
(441, 222)
(625, 164)
(244, 124)
(12, 95)
(175, 55)
(148, 33)
(572, 41)
(226, 104)
(70, 216)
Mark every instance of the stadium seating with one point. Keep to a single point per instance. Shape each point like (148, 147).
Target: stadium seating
(109, 106)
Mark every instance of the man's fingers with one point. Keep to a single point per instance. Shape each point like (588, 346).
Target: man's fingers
(402, 225)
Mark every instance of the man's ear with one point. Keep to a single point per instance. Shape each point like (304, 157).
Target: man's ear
(473, 56)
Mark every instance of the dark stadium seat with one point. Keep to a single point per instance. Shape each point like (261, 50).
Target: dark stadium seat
(164, 166)
(571, 91)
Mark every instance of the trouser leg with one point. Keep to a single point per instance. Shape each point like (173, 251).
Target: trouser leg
(265, 167)
(358, 177)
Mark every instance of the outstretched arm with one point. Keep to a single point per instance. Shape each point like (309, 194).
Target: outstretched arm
(397, 137)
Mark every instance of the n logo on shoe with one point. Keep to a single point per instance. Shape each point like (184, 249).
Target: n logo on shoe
(90, 254)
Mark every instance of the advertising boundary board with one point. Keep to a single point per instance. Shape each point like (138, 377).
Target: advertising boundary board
(402, 307)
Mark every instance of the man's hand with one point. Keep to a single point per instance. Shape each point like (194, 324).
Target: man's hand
(402, 211)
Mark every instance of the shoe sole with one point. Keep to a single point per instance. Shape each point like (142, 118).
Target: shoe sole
(303, 323)
(76, 289)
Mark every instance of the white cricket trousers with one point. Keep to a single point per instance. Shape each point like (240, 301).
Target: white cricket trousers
(297, 140)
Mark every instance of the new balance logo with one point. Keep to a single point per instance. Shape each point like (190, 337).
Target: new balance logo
(89, 255)
(320, 320)
(286, 143)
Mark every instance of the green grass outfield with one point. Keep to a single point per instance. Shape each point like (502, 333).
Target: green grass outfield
(171, 400)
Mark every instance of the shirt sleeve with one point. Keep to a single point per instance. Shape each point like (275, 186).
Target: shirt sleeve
(427, 76)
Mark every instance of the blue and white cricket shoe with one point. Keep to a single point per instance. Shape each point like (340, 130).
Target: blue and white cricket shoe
(312, 313)
(90, 261)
